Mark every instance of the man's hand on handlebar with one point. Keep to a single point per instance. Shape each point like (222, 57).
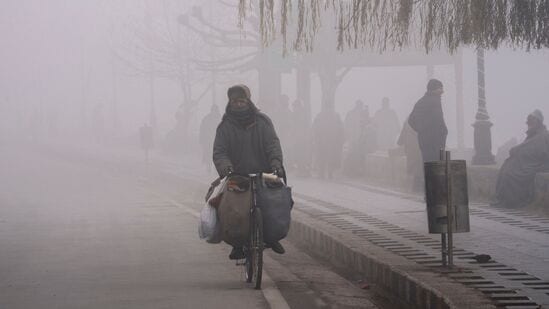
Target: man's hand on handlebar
(279, 172)
(228, 171)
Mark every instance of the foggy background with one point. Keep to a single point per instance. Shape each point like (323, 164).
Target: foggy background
(64, 67)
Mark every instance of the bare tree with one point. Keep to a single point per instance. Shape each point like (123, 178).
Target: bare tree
(155, 45)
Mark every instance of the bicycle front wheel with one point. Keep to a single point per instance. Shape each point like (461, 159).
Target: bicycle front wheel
(257, 246)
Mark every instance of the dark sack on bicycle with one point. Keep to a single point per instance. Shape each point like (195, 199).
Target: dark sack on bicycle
(275, 201)
(234, 211)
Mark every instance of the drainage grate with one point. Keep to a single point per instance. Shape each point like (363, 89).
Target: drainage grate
(490, 278)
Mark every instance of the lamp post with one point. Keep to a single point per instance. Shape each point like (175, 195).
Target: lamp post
(483, 136)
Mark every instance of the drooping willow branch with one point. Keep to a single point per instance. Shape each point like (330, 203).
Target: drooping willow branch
(394, 24)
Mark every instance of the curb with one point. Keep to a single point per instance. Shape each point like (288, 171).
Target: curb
(412, 284)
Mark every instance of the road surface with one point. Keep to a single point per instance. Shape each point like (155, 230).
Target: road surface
(75, 233)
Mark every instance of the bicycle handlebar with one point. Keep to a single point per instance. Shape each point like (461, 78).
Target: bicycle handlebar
(270, 177)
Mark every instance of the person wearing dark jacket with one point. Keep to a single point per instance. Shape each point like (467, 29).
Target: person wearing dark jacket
(515, 183)
(246, 143)
(427, 120)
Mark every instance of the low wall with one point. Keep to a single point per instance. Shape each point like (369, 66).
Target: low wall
(391, 171)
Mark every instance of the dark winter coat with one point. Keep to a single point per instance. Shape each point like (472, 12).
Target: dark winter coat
(427, 120)
(515, 184)
(246, 150)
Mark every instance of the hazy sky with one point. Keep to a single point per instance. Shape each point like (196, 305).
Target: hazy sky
(56, 55)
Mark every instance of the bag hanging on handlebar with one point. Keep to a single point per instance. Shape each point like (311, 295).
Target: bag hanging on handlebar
(209, 227)
(234, 211)
(275, 201)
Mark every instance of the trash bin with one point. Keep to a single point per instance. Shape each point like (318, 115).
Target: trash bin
(436, 196)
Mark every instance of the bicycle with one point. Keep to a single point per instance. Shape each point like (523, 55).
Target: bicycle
(253, 263)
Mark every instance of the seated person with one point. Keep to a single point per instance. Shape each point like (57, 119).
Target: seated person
(515, 184)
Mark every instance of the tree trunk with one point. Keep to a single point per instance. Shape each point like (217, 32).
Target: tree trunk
(328, 84)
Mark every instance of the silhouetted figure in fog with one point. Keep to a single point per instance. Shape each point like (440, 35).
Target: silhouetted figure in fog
(176, 138)
(299, 150)
(515, 184)
(207, 133)
(353, 125)
(414, 162)
(368, 134)
(427, 120)
(354, 140)
(362, 140)
(387, 126)
(328, 138)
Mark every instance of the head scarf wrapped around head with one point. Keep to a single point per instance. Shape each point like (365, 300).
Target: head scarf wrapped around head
(538, 115)
(245, 117)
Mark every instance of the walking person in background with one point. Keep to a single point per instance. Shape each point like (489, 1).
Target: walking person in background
(353, 122)
(362, 141)
(328, 137)
(387, 126)
(300, 140)
(427, 120)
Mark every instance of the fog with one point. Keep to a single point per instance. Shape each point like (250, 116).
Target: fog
(111, 134)
(61, 62)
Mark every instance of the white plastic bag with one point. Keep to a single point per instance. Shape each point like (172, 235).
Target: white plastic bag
(209, 226)
(208, 223)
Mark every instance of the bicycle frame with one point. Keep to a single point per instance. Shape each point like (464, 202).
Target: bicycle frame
(254, 249)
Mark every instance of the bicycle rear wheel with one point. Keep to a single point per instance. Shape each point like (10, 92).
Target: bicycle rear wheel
(257, 247)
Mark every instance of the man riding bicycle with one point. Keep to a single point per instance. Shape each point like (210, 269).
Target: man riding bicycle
(246, 143)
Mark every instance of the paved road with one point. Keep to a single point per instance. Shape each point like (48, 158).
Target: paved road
(76, 234)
